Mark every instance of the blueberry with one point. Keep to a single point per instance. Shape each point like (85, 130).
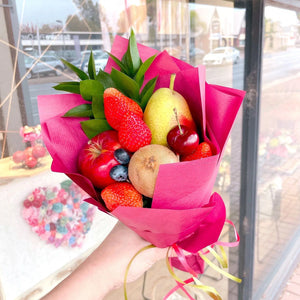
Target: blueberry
(119, 173)
(122, 156)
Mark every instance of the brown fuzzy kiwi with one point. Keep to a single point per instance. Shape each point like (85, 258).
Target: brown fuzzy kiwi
(144, 165)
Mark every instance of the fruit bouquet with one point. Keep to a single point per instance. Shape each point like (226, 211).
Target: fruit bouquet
(144, 138)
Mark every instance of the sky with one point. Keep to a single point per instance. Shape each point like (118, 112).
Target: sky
(44, 11)
(284, 16)
(48, 11)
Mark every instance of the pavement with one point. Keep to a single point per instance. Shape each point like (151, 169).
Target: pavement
(292, 289)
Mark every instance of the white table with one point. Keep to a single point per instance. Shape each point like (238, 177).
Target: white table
(29, 266)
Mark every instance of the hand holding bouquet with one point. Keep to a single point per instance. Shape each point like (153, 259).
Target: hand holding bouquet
(148, 145)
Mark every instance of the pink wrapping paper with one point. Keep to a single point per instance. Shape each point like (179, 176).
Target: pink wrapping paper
(184, 210)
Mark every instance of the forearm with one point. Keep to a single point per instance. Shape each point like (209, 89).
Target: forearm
(105, 268)
(89, 281)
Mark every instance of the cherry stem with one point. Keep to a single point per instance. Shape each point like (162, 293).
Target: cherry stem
(177, 120)
(172, 80)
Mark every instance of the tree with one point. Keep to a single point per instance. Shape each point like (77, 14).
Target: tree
(196, 25)
(47, 28)
(74, 23)
(89, 11)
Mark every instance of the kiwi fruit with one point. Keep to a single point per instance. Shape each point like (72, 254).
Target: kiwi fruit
(144, 166)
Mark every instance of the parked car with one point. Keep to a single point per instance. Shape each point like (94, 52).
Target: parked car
(222, 55)
(43, 67)
(100, 61)
(196, 53)
(80, 62)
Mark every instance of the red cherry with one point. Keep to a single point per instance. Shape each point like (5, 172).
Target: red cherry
(183, 140)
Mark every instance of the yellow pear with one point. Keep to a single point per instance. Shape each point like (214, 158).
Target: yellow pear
(159, 113)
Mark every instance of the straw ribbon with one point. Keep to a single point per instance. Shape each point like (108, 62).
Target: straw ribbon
(129, 265)
(194, 282)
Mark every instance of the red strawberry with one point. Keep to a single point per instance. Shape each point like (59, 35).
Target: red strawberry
(202, 150)
(121, 194)
(117, 105)
(134, 133)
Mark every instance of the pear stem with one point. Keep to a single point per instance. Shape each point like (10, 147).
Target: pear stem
(172, 80)
(177, 120)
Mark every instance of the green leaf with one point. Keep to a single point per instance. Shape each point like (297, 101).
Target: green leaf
(134, 52)
(91, 67)
(80, 111)
(121, 65)
(131, 57)
(139, 77)
(90, 88)
(127, 63)
(105, 79)
(147, 92)
(68, 86)
(92, 127)
(125, 84)
(76, 70)
(98, 107)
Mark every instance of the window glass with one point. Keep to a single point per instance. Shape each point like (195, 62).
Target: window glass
(278, 206)
(197, 33)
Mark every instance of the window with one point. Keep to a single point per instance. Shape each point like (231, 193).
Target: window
(219, 36)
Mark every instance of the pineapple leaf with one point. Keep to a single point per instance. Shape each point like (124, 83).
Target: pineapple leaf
(92, 127)
(147, 92)
(83, 110)
(139, 77)
(91, 66)
(97, 107)
(90, 88)
(68, 86)
(125, 84)
(76, 70)
(105, 79)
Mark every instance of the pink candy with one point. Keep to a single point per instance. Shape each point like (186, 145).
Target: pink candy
(58, 215)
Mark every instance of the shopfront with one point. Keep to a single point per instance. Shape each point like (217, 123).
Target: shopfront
(248, 45)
